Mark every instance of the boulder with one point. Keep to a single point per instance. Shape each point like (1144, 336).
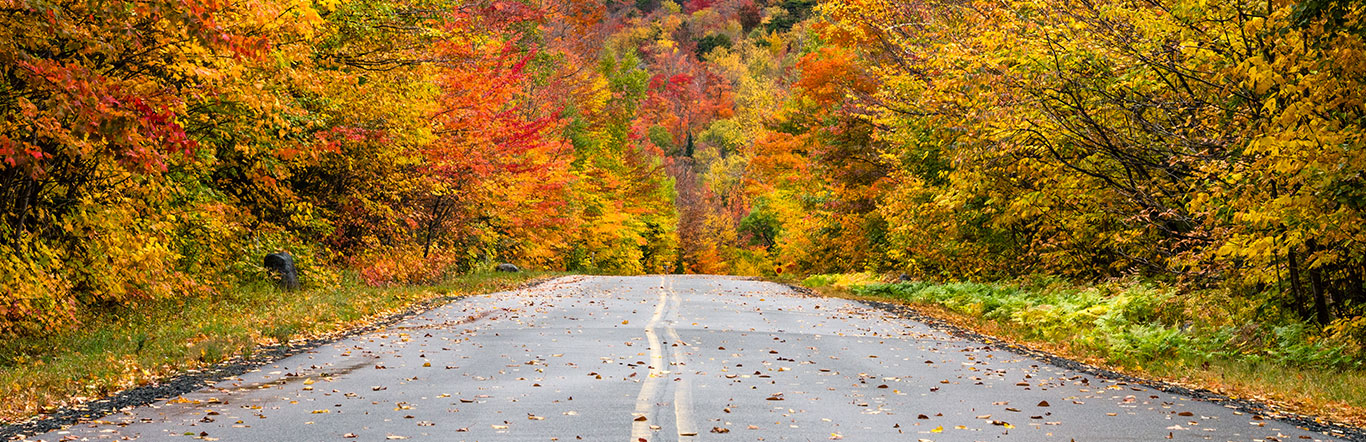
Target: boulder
(505, 267)
(281, 266)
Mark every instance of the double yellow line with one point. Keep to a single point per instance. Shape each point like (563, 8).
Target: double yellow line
(682, 403)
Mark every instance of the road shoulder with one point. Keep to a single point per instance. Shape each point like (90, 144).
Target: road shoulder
(192, 380)
(1269, 411)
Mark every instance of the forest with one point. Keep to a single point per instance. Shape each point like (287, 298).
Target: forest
(157, 149)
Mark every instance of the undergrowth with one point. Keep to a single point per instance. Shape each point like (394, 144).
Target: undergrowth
(1133, 323)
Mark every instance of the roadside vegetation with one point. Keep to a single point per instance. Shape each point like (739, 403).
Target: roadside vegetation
(131, 346)
(1207, 339)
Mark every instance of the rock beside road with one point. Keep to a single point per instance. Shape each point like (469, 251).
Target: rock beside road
(281, 265)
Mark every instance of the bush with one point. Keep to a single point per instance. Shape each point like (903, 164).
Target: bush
(394, 266)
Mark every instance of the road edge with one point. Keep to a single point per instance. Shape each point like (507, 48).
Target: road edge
(193, 380)
(1306, 422)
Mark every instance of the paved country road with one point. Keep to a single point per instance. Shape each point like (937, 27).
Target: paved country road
(662, 358)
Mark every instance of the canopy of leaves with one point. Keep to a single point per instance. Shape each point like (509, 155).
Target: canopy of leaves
(155, 149)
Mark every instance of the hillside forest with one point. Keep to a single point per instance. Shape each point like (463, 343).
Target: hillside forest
(156, 149)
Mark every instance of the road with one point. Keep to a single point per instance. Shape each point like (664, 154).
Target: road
(663, 358)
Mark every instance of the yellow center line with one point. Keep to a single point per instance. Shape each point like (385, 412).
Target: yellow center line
(640, 429)
(683, 418)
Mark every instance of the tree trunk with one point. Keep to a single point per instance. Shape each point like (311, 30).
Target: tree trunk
(28, 198)
(1355, 285)
(1280, 279)
(431, 227)
(1321, 313)
(1320, 297)
(1295, 286)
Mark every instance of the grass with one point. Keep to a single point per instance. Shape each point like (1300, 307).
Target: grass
(134, 346)
(1204, 340)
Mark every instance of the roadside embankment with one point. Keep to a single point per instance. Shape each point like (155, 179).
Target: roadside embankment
(1206, 341)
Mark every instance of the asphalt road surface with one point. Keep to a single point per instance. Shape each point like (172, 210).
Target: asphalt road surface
(663, 358)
